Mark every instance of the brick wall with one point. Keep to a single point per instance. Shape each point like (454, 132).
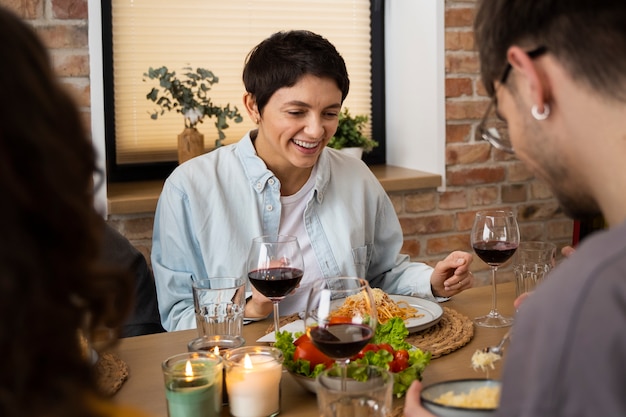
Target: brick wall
(434, 223)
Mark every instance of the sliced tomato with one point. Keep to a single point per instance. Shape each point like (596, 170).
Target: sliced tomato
(302, 339)
(305, 349)
(387, 347)
(340, 320)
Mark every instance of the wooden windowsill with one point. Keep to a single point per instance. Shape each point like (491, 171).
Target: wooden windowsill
(141, 196)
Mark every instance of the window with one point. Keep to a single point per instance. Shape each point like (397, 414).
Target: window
(140, 34)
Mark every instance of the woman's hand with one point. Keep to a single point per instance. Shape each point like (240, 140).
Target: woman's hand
(412, 403)
(452, 275)
(258, 305)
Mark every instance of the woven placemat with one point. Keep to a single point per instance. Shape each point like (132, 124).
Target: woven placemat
(453, 331)
(111, 373)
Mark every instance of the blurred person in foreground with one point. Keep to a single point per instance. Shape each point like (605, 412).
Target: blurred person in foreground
(51, 286)
(281, 178)
(556, 70)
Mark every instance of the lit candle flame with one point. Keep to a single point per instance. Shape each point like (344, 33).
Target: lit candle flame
(247, 362)
(216, 350)
(188, 372)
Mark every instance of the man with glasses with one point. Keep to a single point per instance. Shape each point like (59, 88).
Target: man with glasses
(556, 72)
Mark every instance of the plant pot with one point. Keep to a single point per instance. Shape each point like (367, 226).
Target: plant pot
(355, 152)
(190, 144)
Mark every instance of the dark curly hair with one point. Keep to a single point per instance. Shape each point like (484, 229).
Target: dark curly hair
(50, 281)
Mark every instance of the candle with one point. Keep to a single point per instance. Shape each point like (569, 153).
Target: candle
(253, 376)
(217, 344)
(193, 384)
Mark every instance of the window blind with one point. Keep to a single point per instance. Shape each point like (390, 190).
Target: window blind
(217, 35)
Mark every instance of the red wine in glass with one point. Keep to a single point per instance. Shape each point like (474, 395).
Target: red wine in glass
(341, 340)
(494, 253)
(333, 330)
(275, 283)
(275, 268)
(495, 236)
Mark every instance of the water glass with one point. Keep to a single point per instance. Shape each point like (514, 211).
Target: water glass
(532, 261)
(371, 397)
(219, 305)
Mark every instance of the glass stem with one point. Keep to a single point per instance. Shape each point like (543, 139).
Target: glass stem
(494, 297)
(343, 365)
(276, 319)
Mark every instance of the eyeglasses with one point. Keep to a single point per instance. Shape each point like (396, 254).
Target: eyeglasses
(492, 128)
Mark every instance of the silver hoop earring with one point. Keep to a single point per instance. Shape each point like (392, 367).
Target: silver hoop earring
(534, 110)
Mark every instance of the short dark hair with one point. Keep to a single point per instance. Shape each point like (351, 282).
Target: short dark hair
(285, 57)
(587, 36)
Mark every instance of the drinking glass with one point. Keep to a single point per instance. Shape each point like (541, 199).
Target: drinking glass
(340, 318)
(495, 237)
(275, 268)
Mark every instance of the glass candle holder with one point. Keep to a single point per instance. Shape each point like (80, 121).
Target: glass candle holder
(193, 384)
(219, 345)
(253, 375)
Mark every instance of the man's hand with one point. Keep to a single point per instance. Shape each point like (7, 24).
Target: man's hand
(452, 275)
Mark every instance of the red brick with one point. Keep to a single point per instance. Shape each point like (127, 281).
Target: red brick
(471, 176)
(457, 132)
(453, 200)
(461, 63)
(465, 109)
(459, 17)
(447, 244)
(458, 87)
(464, 154)
(514, 193)
(69, 9)
(459, 40)
(539, 211)
(560, 229)
(483, 196)
(531, 230)
(79, 89)
(411, 247)
(540, 190)
(26, 9)
(427, 224)
(518, 171)
(419, 202)
(64, 36)
(70, 64)
(397, 202)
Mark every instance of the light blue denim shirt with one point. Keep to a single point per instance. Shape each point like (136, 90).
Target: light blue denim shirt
(213, 205)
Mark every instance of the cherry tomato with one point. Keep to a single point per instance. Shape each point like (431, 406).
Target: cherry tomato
(400, 361)
(305, 349)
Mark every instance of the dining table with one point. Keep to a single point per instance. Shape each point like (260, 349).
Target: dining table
(144, 388)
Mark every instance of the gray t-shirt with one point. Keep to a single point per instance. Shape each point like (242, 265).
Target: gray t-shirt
(568, 349)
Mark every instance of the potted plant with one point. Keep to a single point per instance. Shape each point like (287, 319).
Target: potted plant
(349, 135)
(188, 94)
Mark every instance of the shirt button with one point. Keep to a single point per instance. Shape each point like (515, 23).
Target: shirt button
(269, 207)
(271, 181)
(259, 185)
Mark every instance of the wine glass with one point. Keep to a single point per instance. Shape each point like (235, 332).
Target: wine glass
(495, 236)
(275, 268)
(340, 318)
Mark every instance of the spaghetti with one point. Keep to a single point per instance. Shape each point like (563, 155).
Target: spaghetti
(386, 308)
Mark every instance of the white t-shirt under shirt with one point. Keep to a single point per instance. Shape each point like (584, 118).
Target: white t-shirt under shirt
(292, 223)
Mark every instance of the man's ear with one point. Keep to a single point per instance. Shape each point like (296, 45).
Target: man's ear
(531, 75)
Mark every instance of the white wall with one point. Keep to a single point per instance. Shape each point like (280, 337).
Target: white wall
(415, 84)
(414, 53)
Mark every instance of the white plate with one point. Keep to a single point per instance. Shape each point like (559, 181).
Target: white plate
(293, 327)
(430, 310)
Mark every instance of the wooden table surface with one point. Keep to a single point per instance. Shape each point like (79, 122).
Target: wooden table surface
(145, 390)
